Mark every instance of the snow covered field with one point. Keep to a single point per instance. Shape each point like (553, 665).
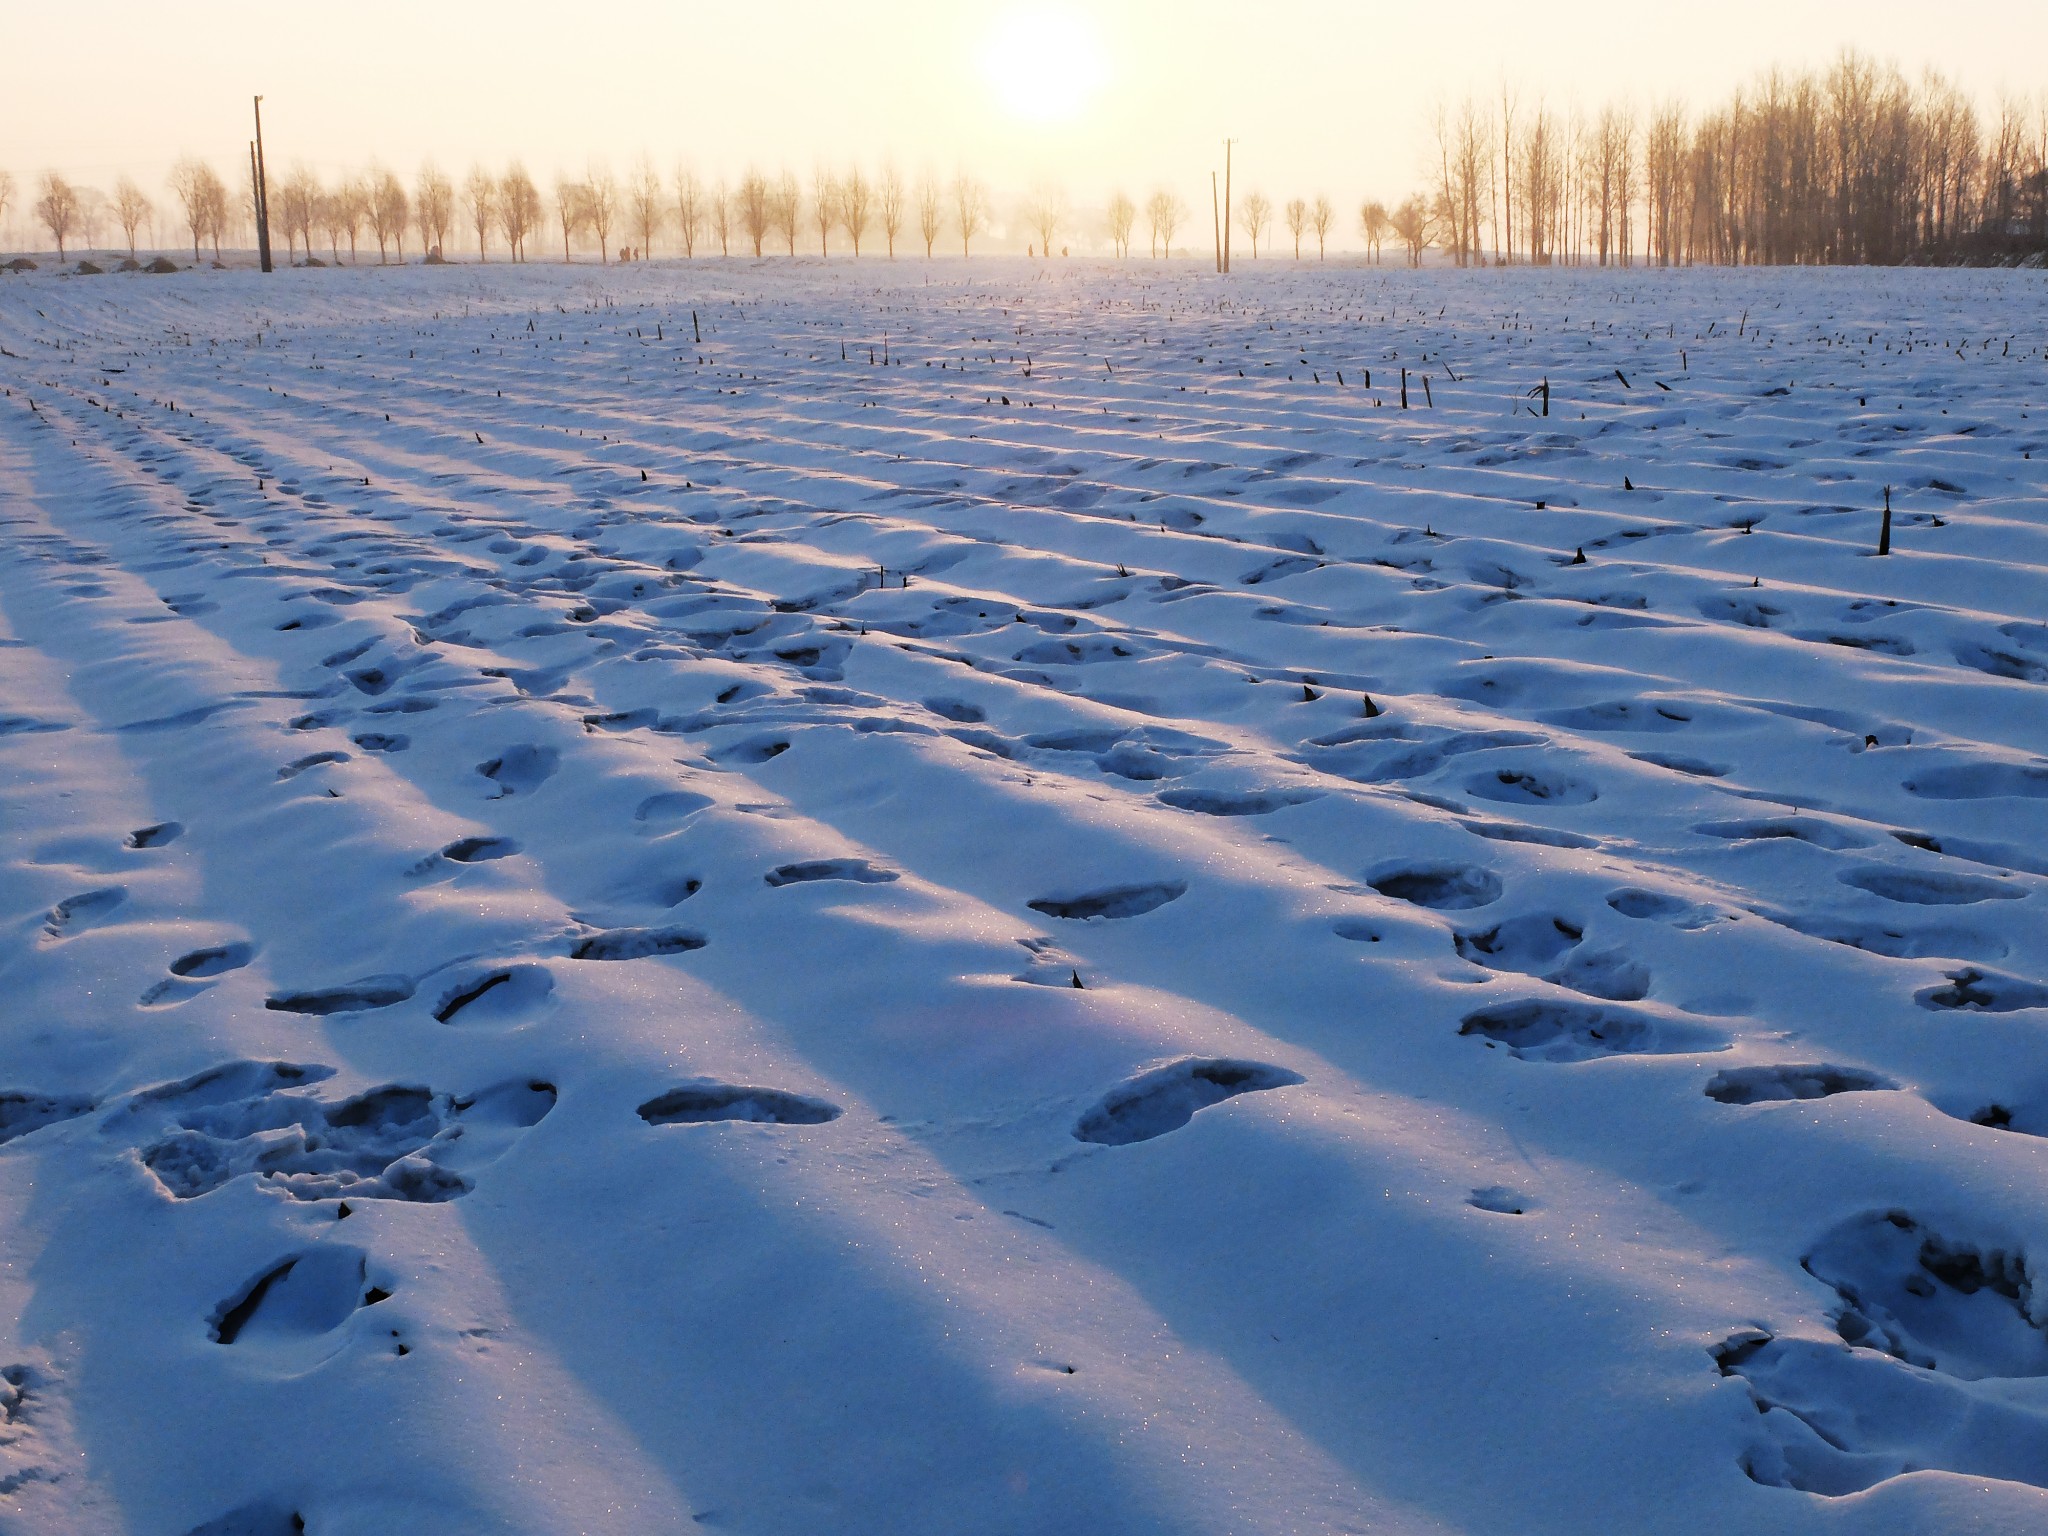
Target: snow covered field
(988, 902)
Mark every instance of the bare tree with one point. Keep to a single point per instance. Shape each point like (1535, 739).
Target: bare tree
(336, 218)
(188, 185)
(721, 212)
(1375, 225)
(1415, 225)
(131, 206)
(755, 213)
(519, 208)
(892, 206)
(1253, 215)
(689, 208)
(6, 193)
(296, 202)
(389, 212)
(1123, 213)
(1321, 215)
(480, 198)
(601, 207)
(931, 212)
(433, 206)
(1047, 211)
(1463, 145)
(785, 200)
(856, 204)
(57, 208)
(92, 214)
(1504, 178)
(214, 195)
(970, 208)
(824, 206)
(644, 202)
(1297, 223)
(1165, 212)
(1664, 164)
(572, 207)
(351, 203)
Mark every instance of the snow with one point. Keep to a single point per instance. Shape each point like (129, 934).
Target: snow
(986, 901)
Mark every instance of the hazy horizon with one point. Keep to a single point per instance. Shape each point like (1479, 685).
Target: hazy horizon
(1320, 96)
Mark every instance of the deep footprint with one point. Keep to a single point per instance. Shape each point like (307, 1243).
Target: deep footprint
(216, 961)
(1440, 887)
(362, 996)
(1541, 1029)
(22, 1112)
(1116, 902)
(307, 1295)
(258, 1119)
(859, 870)
(77, 913)
(1769, 1085)
(636, 944)
(702, 1103)
(1166, 1098)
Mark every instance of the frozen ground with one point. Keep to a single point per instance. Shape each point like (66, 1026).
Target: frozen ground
(813, 931)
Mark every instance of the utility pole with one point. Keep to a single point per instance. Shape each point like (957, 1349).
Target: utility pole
(262, 191)
(1216, 218)
(1226, 202)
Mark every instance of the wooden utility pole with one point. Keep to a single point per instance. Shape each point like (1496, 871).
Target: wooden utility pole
(262, 191)
(1216, 218)
(1226, 202)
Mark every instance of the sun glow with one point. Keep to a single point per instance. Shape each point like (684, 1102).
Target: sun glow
(1044, 63)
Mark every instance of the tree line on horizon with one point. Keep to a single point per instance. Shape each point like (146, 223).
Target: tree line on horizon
(508, 212)
(1853, 164)
(1850, 165)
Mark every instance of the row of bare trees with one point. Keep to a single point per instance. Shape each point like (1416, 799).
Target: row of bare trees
(758, 214)
(68, 210)
(1851, 164)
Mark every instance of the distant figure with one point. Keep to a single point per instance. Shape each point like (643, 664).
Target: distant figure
(1031, 253)
(1063, 253)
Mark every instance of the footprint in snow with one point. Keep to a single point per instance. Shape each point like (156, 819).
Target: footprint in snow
(1510, 786)
(636, 944)
(1982, 991)
(859, 871)
(1441, 887)
(1168, 1097)
(1554, 1030)
(503, 995)
(702, 1103)
(265, 1120)
(520, 770)
(1930, 888)
(1942, 1352)
(260, 1519)
(1224, 802)
(23, 1112)
(292, 1310)
(1115, 902)
(88, 909)
(1772, 1085)
(361, 996)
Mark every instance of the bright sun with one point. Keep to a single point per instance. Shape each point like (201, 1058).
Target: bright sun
(1044, 62)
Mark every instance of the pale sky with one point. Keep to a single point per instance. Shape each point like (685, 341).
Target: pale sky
(1322, 95)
